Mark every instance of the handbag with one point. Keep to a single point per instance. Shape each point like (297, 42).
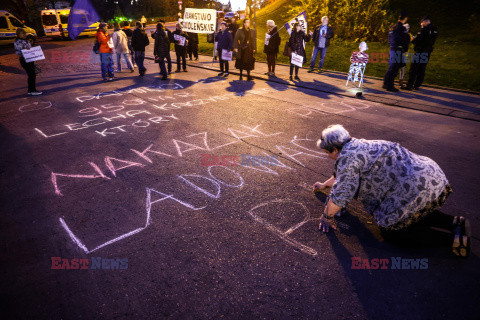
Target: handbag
(287, 52)
(96, 47)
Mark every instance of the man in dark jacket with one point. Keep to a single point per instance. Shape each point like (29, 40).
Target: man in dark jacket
(398, 38)
(170, 39)
(192, 48)
(139, 42)
(321, 40)
(423, 46)
(225, 42)
(180, 50)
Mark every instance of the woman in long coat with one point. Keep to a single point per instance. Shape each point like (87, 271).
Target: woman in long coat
(245, 46)
(161, 49)
(295, 43)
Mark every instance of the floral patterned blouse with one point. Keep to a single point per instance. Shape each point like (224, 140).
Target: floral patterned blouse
(391, 182)
(20, 45)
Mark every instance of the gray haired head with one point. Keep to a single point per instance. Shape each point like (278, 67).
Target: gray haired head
(334, 137)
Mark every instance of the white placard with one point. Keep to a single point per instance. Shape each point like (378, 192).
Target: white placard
(199, 20)
(227, 55)
(180, 39)
(267, 39)
(297, 59)
(34, 54)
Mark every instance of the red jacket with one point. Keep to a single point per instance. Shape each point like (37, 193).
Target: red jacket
(103, 40)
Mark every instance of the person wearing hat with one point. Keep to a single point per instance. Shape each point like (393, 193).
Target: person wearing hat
(423, 47)
(21, 43)
(181, 50)
(106, 58)
(225, 42)
(398, 39)
(272, 42)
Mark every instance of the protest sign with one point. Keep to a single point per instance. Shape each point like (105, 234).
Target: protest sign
(297, 59)
(34, 54)
(180, 39)
(199, 20)
(226, 55)
(267, 39)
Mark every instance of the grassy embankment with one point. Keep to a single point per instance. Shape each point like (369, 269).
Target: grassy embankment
(454, 63)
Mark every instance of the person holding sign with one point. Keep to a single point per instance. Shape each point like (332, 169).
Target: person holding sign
(321, 40)
(272, 42)
(106, 58)
(245, 45)
(20, 44)
(295, 43)
(224, 48)
(180, 39)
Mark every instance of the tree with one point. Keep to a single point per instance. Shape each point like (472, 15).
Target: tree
(352, 19)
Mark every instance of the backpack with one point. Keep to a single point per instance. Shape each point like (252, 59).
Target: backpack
(96, 47)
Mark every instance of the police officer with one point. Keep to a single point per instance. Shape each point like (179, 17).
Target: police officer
(398, 39)
(423, 46)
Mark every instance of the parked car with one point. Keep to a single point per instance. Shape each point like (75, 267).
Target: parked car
(8, 27)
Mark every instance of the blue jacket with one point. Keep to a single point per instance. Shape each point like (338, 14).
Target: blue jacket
(225, 40)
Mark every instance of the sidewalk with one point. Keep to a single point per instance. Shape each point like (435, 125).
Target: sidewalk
(452, 103)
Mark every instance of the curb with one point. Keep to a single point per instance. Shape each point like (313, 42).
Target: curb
(459, 114)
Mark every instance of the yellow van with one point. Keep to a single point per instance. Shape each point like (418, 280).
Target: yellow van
(8, 27)
(55, 23)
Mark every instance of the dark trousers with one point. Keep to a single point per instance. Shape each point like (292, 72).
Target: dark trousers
(395, 63)
(223, 63)
(30, 69)
(169, 62)
(193, 51)
(181, 55)
(271, 62)
(163, 68)
(416, 74)
(139, 58)
(292, 66)
(421, 233)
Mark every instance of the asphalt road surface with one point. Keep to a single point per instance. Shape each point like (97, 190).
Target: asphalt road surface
(125, 174)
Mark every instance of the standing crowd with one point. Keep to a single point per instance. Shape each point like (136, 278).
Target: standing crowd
(231, 42)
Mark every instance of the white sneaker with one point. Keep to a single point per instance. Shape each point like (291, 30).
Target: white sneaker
(35, 93)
